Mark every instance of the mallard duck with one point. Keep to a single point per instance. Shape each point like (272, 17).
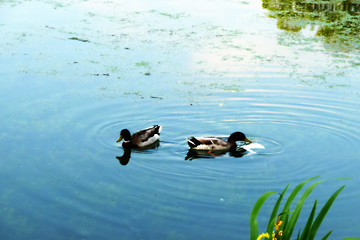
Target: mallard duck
(142, 138)
(216, 143)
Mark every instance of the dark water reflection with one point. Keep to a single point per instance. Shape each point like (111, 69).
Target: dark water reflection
(337, 21)
(191, 154)
(125, 158)
(194, 154)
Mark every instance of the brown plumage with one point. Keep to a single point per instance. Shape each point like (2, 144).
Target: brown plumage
(141, 138)
(216, 143)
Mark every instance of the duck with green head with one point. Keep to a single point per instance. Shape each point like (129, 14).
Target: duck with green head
(217, 143)
(142, 138)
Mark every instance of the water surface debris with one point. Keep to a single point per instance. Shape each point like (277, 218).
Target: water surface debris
(79, 39)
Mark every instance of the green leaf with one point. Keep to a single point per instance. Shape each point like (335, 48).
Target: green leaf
(327, 235)
(294, 217)
(349, 238)
(285, 213)
(323, 213)
(273, 215)
(308, 224)
(254, 232)
(292, 197)
(298, 236)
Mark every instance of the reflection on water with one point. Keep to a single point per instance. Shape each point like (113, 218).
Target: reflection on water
(338, 21)
(193, 154)
(125, 158)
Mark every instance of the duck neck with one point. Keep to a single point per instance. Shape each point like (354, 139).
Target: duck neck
(127, 144)
(232, 145)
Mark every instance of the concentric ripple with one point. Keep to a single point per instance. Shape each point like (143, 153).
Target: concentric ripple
(296, 122)
(304, 132)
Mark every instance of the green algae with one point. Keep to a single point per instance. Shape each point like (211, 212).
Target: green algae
(169, 15)
(142, 64)
(79, 39)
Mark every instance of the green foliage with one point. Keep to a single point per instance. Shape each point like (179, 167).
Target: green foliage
(337, 21)
(292, 197)
(254, 232)
(275, 210)
(281, 226)
(294, 217)
(350, 238)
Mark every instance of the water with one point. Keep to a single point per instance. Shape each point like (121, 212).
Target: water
(200, 69)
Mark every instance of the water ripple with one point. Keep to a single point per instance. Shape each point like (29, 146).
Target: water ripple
(304, 132)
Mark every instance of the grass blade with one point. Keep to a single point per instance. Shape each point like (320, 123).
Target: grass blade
(254, 232)
(323, 213)
(298, 236)
(273, 215)
(294, 217)
(327, 235)
(292, 197)
(306, 231)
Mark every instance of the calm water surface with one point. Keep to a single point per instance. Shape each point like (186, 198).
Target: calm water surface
(74, 74)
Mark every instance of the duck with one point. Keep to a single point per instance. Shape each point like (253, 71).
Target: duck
(140, 139)
(217, 143)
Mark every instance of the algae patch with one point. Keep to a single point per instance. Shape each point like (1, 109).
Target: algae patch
(79, 39)
(143, 64)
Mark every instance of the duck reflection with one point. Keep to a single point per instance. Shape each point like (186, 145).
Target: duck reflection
(194, 154)
(125, 158)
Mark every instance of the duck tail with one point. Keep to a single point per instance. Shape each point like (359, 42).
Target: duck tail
(193, 142)
(158, 129)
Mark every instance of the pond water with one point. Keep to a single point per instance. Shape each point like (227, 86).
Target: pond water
(74, 73)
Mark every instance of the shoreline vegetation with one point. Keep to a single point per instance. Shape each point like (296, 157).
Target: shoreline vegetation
(337, 21)
(281, 225)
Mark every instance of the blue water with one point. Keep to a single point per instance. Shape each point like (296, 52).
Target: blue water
(215, 68)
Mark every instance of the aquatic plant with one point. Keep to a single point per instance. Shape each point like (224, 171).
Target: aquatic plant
(281, 226)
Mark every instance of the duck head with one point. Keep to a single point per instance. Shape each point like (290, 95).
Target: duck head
(238, 136)
(124, 134)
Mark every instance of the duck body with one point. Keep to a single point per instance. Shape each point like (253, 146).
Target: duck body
(142, 138)
(209, 143)
(217, 143)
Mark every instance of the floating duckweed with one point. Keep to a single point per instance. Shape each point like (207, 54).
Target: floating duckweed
(142, 64)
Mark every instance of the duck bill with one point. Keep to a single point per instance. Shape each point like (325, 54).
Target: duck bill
(247, 140)
(120, 138)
